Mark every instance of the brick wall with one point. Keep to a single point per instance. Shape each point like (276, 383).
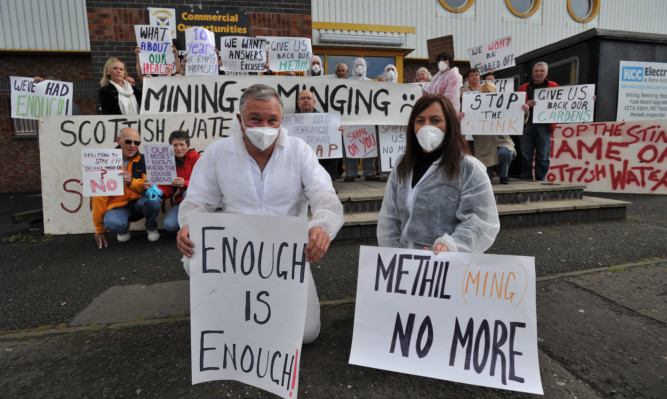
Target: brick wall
(111, 25)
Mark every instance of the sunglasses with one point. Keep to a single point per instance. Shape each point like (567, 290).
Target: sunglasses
(128, 142)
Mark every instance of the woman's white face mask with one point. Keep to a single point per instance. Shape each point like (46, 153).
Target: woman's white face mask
(430, 138)
(359, 70)
(442, 66)
(391, 75)
(261, 137)
(316, 69)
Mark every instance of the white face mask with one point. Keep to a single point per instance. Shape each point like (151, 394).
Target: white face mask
(391, 75)
(261, 137)
(359, 70)
(430, 138)
(442, 66)
(316, 69)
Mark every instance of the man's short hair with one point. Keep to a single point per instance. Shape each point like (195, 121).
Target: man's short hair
(179, 135)
(544, 64)
(343, 64)
(474, 70)
(260, 92)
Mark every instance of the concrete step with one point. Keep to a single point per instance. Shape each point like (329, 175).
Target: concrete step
(364, 224)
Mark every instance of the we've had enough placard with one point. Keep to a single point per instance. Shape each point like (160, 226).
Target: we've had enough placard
(248, 289)
(454, 316)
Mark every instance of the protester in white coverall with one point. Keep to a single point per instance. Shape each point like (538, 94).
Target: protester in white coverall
(448, 81)
(261, 170)
(390, 74)
(315, 66)
(359, 70)
(438, 196)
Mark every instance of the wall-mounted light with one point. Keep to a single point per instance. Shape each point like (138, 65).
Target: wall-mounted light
(359, 39)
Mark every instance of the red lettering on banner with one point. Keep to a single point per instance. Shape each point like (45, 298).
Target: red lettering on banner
(612, 153)
(77, 192)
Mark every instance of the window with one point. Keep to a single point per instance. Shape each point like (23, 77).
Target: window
(583, 10)
(375, 59)
(523, 8)
(456, 5)
(564, 72)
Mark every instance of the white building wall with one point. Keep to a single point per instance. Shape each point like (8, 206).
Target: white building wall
(44, 25)
(487, 20)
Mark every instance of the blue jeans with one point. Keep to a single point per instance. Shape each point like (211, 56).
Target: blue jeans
(504, 161)
(352, 166)
(536, 139)
(171, 220)
(118, 220)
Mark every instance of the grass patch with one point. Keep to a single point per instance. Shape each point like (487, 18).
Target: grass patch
(25, 238)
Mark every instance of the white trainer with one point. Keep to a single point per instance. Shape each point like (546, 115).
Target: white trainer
(124, 237)
(153, 235)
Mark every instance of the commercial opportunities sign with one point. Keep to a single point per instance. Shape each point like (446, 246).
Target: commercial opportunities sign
(642, 91)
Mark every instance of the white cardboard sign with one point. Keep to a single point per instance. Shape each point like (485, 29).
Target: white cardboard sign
(101, 172)
(160, 163)
(30, 100)
(289, 53)
(358, 102)
(202, 57)
(642, 91)
(242, 54)
(460, 317)
(496, 55)
(492, 113)
(248, 289)
(359, 141)
(156, 51)
(392, 145)
(565, 104)
(320, 131)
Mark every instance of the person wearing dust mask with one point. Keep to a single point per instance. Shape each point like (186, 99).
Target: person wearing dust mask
(262, 170)
(390, 74)
(438, 197)
(315, 66)
(359, 70)
(448, 81)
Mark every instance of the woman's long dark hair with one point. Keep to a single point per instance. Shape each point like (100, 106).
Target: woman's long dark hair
(453, 148)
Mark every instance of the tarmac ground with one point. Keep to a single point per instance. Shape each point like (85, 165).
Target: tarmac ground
(601, 313)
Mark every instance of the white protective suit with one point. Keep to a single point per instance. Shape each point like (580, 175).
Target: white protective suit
(355, 76)
(227, 177)
(459, 212)
(387, 69)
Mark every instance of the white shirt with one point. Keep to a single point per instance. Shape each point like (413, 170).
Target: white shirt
(226, 176)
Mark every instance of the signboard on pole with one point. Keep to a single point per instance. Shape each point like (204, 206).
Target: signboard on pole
(459, 317)
(642, 91)
(248, 293)
(495, 55)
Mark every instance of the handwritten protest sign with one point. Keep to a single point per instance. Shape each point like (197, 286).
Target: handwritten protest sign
(628, 157)
(289, 53)
(101, 172)
(202, 58)
(496, 55)
(242, 54)
(460, 317)
(359, 141)
(320, 131)
(66, 211)
(160, 163)
(642, 91)
(30, 100)
(358, 103)
(566, 104)
(392, 145)
(502, 85)
(156, 51)
(492, 113)
(248, 294)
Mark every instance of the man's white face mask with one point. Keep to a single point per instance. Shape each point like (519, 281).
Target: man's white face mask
(391, 75)
(430, 138)
(359, 70)
(261, 137)
(316, 69)
(442, 66)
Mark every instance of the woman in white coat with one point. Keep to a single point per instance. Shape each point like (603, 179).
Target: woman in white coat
(438, 196)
